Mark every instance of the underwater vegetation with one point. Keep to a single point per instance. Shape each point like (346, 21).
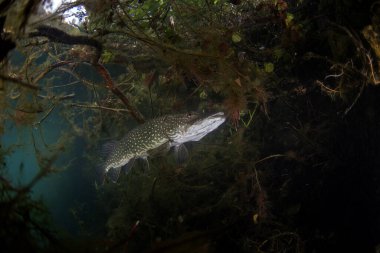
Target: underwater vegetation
(294, 168)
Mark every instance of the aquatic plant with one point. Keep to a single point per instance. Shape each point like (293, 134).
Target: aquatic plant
(25, 221)
(264, 183)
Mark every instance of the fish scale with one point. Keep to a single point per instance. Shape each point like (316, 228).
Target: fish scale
(170, 130)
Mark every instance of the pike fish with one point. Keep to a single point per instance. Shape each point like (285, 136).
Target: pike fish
(155, 136)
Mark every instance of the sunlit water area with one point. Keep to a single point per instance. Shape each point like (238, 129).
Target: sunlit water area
(75, 15)
(48, 137)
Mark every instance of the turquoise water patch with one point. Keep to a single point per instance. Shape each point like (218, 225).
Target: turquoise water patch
(57, 189)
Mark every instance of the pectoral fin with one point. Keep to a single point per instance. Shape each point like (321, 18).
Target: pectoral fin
(113, 174)
(181, 154)
(129, 165)
(145, 162)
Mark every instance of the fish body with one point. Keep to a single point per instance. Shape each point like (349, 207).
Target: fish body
(160, 133)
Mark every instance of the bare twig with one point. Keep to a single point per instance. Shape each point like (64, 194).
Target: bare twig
(269, 157)
(49, 69)
(374, 80)
(77, 76)
(327, 89)
(356, 98)
(45, 116)
(257, 178)
(98, 107)
(336, 75)
(61, 97)
(22, 83)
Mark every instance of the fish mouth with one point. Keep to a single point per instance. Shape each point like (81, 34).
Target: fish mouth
(208, 124)
(201, 127)
(204, 123)
(217, 115)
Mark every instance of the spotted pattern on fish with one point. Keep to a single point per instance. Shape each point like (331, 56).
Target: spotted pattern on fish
(175, 129)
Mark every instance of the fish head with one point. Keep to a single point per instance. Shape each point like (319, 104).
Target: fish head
(197, 126)
(180, 122)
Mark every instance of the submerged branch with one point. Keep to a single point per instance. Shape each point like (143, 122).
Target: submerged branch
(49, 69)
(373, 78)
(45, 116)
(57, 35)
(356, 98)
(269, 157)
(116, 91)
(164, 47)
(22, 83)
(98, 107)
